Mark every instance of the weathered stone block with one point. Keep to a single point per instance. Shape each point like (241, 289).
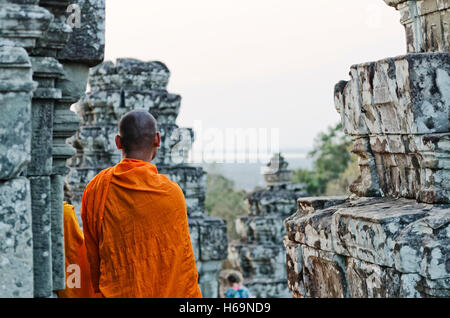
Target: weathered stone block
(275, 200)
(396, 95)
(22, 23)
(423, 246)
(294, 268)
(414, 286)
(213, 238)
(130, 74)
(87, 42)
(268, 288)
(260, 261)
(323, 274)
(99, 147)
(313, 230)
(313, 227)
(16, 242)
(368, 231)
(16, 87)
(257, 229)
(436, 163)
(194, 232)
(108, 106)
(15, 139)
(208, 238)
(366, 280)
(380, 248)
(308, 205)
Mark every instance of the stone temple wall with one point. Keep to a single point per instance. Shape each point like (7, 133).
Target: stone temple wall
(259, 254)
(391, 237)
(116, 89)
(44, 66)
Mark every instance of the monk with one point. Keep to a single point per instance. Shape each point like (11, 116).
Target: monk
(78, 277)
(135, 222)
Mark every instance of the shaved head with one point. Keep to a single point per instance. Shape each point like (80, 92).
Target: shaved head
(137, 130)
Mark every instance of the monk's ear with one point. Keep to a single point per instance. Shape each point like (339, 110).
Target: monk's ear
(157, 141)
(118, 142)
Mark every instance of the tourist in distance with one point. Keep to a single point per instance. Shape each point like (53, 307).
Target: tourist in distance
(237, 290)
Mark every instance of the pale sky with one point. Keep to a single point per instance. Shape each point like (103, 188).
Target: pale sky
(255, 63)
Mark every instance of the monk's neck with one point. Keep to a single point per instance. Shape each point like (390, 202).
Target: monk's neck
(138, 156)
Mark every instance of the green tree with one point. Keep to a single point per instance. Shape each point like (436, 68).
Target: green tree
(224, 201)
(340, 185)
(331, 159)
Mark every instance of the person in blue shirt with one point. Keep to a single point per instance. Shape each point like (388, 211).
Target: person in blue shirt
(236, 290)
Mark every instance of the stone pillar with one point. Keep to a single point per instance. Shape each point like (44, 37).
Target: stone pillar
(132, 84)
(390, 238)
(84, 49)
(34, 39)
(47, 210)
(22, 23)
(259, 255)
(46, 70)
(47, 232)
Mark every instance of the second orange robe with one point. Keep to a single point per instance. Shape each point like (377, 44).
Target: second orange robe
(78, 278)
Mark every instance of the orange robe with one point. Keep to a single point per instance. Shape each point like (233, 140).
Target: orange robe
(137, 235)
(75, 254)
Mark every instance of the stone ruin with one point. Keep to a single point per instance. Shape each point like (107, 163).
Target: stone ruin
(260, 254)
(132, 84)
(44, 65)
(391, 238)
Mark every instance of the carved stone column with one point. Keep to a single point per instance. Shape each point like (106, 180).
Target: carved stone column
(48, 249)
(84, 49)
(22, 23)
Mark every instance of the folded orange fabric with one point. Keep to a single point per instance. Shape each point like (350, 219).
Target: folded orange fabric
(78, 280)
(137, 234)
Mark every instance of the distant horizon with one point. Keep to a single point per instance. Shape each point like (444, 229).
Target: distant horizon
(286, 153)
